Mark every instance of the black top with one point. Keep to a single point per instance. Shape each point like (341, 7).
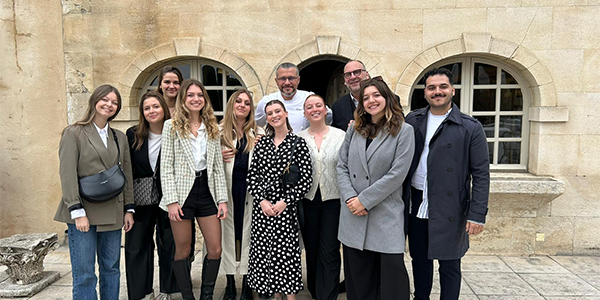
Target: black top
(240, 163)
(140, 162)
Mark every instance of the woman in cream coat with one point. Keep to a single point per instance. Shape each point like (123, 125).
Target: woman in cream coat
(322, 203)
(193, 183)
(86, 148)
(239, 134)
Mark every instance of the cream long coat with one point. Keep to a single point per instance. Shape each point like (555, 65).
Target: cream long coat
(177, 170)
(82, 153)
(229, 265)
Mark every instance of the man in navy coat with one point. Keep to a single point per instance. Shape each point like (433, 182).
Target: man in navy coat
(445, 209)
(343, 108)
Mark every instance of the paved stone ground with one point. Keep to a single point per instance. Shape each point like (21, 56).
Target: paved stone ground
(484, 278)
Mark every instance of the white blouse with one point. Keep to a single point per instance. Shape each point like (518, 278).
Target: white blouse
(324, 163)
(199, 148)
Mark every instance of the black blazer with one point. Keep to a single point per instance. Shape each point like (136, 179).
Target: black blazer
(140, 162)
(343, 111)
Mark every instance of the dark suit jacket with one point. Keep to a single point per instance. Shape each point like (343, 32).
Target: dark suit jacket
(343, 111)
(140, 162)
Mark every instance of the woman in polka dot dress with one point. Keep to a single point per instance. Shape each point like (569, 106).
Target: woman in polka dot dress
(274, 263)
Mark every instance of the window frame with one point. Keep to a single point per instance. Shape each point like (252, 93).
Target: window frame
(466, 103)
(195, 65)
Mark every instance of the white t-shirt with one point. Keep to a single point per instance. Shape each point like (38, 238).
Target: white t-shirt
(154, 141)
(294, 107)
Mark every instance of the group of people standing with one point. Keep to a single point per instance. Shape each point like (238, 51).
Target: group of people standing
(258, 194)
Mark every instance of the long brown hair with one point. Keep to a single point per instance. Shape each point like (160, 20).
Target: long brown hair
(97, 95)
(181, 117)
(393, 118)
(269, 130)
(228, 124)
(143, 127)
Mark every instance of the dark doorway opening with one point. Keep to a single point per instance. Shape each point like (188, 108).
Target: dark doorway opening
(323, 76)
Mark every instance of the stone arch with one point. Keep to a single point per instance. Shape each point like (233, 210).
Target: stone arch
(326, 45)
(133, 77)
(533, 70)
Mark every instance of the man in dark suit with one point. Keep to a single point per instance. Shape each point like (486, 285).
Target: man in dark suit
(450, 153)
(343, 108)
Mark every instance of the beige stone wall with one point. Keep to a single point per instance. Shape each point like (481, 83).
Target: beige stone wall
(32, 97)
(554, 44)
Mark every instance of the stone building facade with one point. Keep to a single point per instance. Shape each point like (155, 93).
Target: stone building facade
(528, 71)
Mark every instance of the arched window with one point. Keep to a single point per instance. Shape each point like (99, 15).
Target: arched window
(219, 80)
(496, 95)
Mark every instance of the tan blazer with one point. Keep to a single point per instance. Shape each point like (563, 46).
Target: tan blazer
(228, 263)
(82, 153)
(177, 171)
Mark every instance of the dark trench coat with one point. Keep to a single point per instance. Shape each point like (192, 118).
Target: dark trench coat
(458, 155)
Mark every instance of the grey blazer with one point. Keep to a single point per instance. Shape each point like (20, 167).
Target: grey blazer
(375, 175)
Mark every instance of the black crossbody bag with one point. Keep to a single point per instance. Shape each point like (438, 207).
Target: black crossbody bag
(291, 176)
(106, 184)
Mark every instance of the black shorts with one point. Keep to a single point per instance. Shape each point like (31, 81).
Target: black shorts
(199, 202)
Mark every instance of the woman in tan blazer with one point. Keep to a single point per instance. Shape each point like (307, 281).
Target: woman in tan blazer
(193, 184)
(239, 134)
(87, 148)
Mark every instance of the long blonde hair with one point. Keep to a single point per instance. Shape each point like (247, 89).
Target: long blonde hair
(228, 124)
(181, 117)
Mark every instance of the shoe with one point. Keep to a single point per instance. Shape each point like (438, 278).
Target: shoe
(230, 291)
(210, 270)
(342, 287)
(181, 270)
(264, 296)
(246, 290)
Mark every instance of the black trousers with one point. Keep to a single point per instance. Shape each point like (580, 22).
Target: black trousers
(418, 237)
(323, 260)
(373, 275)
(139, 252)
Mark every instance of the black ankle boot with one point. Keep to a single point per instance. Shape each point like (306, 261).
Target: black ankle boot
(246, 290)
(181, 270)
(210, 270)
(230, 291)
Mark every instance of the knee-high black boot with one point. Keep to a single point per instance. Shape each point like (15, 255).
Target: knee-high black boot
(210, 270)
(181, 270)
(246, 290)
(230, 290)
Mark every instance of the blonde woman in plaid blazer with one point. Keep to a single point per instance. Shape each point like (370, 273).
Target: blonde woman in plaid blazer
(193, 183)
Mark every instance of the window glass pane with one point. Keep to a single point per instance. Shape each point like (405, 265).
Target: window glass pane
(220, 76)
(229, 93)
(484, 100)
(232, 80)
(154, 81)
(209, 75)
(455, 68)
(185, 71)
(509, 152)
(491, 151)
(510, 126)
(511, 100)
(488, 123)
(216, 99)
(418, 99)
(507, 78)
(485, 74)
(456, 98)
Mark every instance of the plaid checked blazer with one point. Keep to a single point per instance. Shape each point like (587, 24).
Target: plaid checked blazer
(177, 168)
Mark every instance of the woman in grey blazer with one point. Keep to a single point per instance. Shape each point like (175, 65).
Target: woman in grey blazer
(86, 148)
(373, 163)
(193, 184)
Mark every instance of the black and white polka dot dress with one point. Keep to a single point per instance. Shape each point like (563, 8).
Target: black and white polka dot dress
(274, 263)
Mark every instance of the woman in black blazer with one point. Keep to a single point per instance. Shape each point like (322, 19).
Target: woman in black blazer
(144, 143)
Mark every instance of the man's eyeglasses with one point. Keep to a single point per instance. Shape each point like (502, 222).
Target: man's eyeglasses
(289, 78)
(356, 73)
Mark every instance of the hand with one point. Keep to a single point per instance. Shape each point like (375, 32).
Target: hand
(128, 221)
(222, 213)
(279, 207)
(258, 138)
(473, 228)
(355, 207)
(267, 208)
(350, 123)
(228, 155)
(175, 212)
(82, 224)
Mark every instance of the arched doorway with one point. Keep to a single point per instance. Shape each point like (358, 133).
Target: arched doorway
(323, 76)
